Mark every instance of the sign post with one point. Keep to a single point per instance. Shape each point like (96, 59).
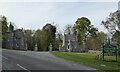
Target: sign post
(103, 52)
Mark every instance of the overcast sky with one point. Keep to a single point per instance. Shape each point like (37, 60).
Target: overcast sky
(34, 15)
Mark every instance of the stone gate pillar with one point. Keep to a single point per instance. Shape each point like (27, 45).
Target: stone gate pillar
(36, 47)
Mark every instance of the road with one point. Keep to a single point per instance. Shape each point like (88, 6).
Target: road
(30, 60)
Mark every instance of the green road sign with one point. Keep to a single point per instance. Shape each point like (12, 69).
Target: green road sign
(109, 49)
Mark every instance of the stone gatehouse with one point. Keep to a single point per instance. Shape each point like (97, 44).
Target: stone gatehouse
(70, 44)
(15, 38)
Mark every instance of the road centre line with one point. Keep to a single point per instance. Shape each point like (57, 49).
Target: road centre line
(5, 57)
(23, 68)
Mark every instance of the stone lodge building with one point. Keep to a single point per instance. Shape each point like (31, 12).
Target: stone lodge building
(15, 38)
(70, 44)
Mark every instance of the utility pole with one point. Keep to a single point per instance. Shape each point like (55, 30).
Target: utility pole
(119, 5)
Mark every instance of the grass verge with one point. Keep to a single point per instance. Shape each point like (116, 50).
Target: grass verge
(88, 59)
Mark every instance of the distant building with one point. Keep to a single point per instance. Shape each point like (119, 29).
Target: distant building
(70, 44)
(15, 38)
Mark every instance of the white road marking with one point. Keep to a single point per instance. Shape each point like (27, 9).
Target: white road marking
(90, 69)
(5, 58)
(23, 68)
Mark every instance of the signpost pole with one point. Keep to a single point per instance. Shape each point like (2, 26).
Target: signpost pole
(103, 52)
(116, 53)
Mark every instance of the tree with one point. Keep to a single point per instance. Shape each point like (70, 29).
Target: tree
(45, 36)
(3, 22)
(82, 28)
(42, 40)
(96, 42)
(59, 37)
(38, 39)
(0, 34)
(91, 43)
(112, 23)
(51, 33)
(68, 29)
(116, 40)
(58, 40)
(102, 38)
(30, 39)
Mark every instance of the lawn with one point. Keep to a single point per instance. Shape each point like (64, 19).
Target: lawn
(88, 59)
